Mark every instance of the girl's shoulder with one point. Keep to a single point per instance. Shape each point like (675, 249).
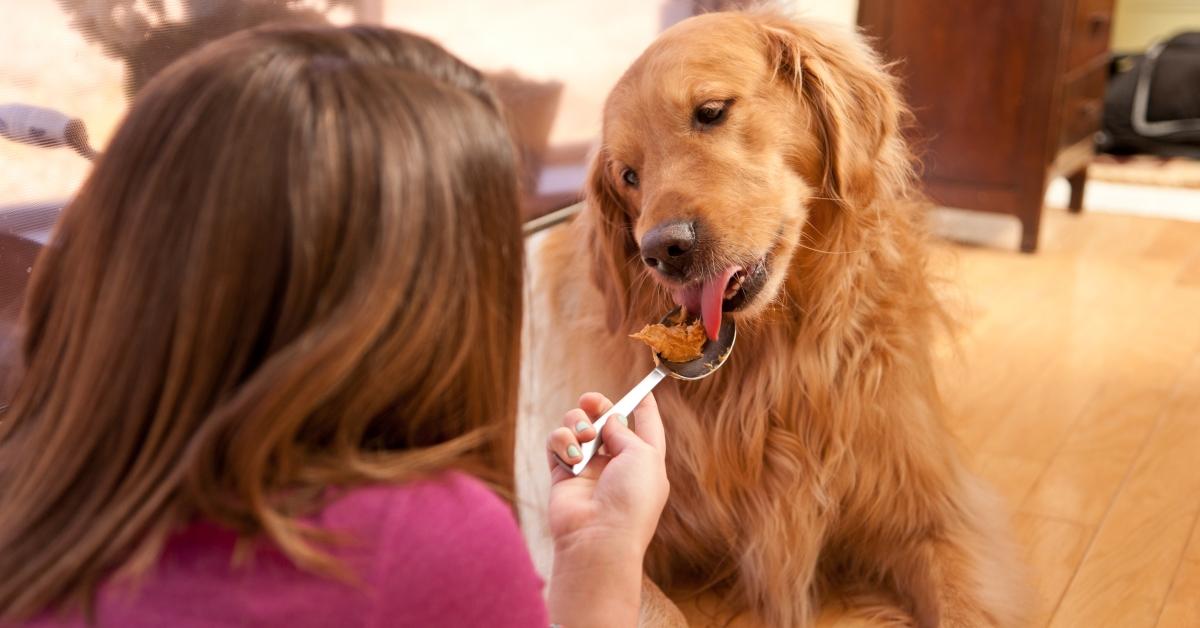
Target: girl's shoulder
(449, 503)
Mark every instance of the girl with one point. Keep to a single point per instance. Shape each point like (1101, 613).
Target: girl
(271, 358)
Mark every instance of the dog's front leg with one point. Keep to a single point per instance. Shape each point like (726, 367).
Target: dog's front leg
(778, 569)
(964, 575)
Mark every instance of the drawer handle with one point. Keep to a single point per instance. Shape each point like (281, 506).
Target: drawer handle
(1098, 22)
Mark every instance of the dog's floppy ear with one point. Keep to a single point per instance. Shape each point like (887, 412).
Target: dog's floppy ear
(854, 102)
(611, 238)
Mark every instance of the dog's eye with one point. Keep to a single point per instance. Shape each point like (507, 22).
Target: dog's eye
(710, 113)
(629, 177)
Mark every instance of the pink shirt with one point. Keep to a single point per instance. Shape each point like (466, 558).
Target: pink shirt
(441, 552)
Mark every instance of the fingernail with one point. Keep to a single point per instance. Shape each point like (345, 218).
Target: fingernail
(624, 421)
(572, 452)
(581, 426)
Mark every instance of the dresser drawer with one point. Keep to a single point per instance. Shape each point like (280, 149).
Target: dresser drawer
(1091, 27)
(1083, 106)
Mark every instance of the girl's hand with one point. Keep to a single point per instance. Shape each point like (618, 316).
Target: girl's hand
(603, 520)
(619, 497)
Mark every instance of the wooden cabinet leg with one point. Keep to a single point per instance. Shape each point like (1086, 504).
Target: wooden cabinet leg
(1030, 225)
(1077, 181)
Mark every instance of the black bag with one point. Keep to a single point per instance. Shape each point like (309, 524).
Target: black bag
(1153, 101)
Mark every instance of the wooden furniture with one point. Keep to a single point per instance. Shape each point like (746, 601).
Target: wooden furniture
(1005, 94)
(23, 231)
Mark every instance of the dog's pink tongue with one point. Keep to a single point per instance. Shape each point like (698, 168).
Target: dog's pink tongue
(712, 296)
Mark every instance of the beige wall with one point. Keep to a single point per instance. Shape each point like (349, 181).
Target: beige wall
(586, 44)
(1136, 25)
(1139, 23)
(836, 11)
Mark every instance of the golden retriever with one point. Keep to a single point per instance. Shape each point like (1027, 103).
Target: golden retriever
(753, 166)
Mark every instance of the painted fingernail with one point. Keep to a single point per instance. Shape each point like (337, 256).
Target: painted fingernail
(582, 426)
(624, 421)
(572, 451)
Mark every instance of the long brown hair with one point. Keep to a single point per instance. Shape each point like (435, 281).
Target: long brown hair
(297, 265)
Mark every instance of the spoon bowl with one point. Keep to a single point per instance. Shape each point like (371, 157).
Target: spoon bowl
(712, 356)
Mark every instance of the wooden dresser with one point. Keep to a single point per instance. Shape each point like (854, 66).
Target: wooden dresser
(1006, 95)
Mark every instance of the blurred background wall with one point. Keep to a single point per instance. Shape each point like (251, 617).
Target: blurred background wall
(553, 61)
(49, 61)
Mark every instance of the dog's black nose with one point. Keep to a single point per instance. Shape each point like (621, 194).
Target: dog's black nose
(669, 247)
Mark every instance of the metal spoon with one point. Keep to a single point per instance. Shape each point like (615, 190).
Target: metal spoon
(713, 355)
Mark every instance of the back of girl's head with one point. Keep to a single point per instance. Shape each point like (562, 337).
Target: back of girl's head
(296, 266)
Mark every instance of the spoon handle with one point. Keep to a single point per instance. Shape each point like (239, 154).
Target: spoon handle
(623, 407)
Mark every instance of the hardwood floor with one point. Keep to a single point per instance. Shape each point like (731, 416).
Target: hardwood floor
(1075, 390)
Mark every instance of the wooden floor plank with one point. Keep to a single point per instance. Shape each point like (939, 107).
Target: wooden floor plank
(1012, 476)
(1175, 241)
(1053, 550)
(1182, 609)
(1128, 570)
(1189, 275)
(1119, 236)
(1081, 480)
(996, 375)
(1068, 366)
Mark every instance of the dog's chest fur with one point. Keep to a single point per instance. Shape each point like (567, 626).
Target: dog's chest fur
(734, 442)
(734, 439)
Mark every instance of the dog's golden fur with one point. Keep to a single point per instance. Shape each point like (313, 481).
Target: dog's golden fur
(815, 463)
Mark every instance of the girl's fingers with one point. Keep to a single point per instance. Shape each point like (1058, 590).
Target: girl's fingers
(643, 428)
(647, 424)
(618, 437)
(580, 424)
(562, 446)
(592, 472)
(594, 404)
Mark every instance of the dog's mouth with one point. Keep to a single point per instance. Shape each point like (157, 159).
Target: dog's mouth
(729, 290)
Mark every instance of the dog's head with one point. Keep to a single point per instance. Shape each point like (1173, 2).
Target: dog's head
(718, 144)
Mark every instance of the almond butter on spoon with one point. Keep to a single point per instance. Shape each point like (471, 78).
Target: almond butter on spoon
(677, 342)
